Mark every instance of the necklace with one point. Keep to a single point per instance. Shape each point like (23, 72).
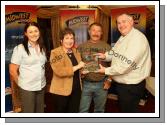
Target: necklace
(69, 54)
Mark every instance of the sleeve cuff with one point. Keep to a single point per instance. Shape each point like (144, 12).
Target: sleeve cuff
(108, 57)
(107, 71)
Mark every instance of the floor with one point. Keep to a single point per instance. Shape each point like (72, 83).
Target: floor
(111, 105)
(148, 107)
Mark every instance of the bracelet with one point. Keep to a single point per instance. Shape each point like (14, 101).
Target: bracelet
(109, 80)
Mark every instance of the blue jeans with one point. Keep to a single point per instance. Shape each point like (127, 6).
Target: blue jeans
(95, 91)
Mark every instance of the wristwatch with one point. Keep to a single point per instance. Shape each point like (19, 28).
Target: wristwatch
(109, 80)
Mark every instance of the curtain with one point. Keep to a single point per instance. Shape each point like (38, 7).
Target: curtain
(53, 14)
(46, 12)
(55, 28)
(103, 19)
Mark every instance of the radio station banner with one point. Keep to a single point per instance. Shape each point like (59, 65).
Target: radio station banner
(15, 18)
(78, 20)
(139, 16)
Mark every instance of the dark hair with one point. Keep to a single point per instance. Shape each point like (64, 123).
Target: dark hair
(39, 41)
(65, 32)
(96, 24)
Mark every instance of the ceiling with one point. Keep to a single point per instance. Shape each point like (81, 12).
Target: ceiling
(106, 8)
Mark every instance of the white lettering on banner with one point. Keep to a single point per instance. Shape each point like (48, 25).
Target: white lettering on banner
(16, 16)
(76, 20)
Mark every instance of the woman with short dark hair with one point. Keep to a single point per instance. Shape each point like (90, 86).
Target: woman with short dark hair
(66, 83)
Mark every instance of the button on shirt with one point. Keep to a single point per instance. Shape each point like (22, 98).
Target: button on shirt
(131, 58)
(31, 70)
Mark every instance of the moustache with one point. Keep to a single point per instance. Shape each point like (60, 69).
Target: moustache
(95, 35)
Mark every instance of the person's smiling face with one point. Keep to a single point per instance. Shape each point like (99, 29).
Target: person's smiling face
(32, 34)
(95, 33)
(124, 24)
(68, 41)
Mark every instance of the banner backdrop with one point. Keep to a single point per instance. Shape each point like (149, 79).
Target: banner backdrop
(15, 18)
(139, 16)
(78, 20)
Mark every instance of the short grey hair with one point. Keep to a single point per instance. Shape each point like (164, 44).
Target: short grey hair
(127, 14)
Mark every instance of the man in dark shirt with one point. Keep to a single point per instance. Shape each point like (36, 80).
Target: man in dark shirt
(95, 85)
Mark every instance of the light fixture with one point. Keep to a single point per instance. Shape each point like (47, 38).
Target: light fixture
(83, 6)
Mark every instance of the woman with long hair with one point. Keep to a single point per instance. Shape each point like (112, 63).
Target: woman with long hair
(27, 69)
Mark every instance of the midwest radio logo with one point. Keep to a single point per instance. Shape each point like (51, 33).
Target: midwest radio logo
(78, 19)
(17, 16)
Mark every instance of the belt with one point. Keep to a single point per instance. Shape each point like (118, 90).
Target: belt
(93, 81)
